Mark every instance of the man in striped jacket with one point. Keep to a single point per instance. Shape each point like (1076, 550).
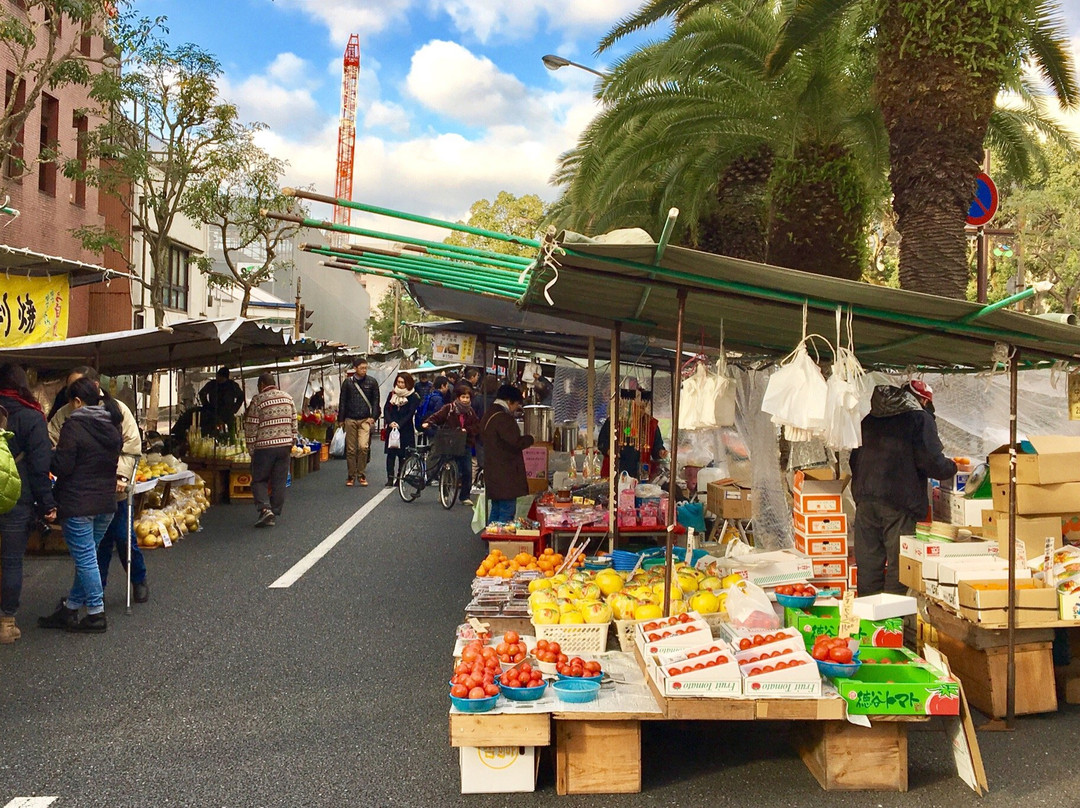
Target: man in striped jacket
(270, 429)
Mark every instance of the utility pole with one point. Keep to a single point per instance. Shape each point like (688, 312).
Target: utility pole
(297, 324)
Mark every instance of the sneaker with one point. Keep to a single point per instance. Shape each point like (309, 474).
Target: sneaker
(349, 482)
(140, 593)
(91, 624)
(266, 518)
(468, 502)
(63, 618)
(360, 478)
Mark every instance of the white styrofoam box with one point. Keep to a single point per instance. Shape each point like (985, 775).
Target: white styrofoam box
(884, 606)
(917, 548)
(720, 680)
(952, 571)
(498, 769)
(803, 680)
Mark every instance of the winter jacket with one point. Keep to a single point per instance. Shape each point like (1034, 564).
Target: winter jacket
(900, 451)
(429, 405)
(129, 429)
(468, 421)
(270, 420)
(352, 405)
(85, 463)
(31, 439)
(402, 415)
(504, 467)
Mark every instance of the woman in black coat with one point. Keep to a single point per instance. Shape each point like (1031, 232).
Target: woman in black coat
(398, 412)
(30, 446)
(85, 467)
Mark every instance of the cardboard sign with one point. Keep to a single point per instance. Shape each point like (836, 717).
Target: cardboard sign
(849, 622)
(961, 731)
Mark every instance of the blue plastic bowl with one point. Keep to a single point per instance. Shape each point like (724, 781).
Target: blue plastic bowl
(795, 602)
(597, 678)
(834, 670)
(521, 693)
(474, 705)
(576, 691)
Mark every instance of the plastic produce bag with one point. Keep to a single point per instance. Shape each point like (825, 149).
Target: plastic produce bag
(393, 439)
(480, 513)
(337, 443)
(749, 607)
(797, 396)
(725, 392)
(844, 408)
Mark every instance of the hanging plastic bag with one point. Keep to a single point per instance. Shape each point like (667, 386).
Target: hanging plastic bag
(845, 386)
(690, 396)
(749, 607)
(724, 404)
(480, 513)
(393, 440)
(337, 443)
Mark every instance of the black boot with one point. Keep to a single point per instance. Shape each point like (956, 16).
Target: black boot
(63, 618)
(92, 623)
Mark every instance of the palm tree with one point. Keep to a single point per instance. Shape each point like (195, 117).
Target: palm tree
(939, 68)
(783, 169)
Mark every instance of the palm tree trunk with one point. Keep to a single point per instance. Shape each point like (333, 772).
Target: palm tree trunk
(737, 223)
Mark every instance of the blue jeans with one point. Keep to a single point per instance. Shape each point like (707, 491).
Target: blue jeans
(83, 534)
(503, 510)
(117, 536)
(14, 531)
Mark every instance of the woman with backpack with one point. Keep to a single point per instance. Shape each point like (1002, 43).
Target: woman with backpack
(460, 414)
(31, 452)
(85, 465)
(398, 414)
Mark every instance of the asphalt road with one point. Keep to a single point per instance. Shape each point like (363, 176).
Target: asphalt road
(224, 692)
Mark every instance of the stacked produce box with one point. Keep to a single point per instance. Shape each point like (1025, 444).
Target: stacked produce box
(821, 529)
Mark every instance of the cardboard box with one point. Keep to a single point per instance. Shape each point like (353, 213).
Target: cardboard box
(730, 501)
(1060, 498)
(853, 576)
(802, 681)
(1056, 460)
(817, 492)
(822, 545)
(830, 587)
(986, 602)
(920, 548)
(1031, 531)
(821, 525)
(1069, 605)
(911, 574)
(498, 769)
(826, 567)
(512, 547)
(826, 620)
(953, 570)
(899, 689)
(884, 606)
(956, 509)
(957, 482)
(719, 680)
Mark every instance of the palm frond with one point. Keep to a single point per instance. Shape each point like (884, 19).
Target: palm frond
(808, 20)
(1048, 45)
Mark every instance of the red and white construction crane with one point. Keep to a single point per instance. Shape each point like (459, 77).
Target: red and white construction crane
(346, 147)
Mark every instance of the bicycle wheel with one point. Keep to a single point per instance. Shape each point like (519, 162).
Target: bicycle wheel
(478, 481)
(411, 480)
(449, 483)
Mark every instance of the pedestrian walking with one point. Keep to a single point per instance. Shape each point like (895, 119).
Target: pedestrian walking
(85, 463)
(398, 413)
(29, 445)
(358, 408)
(270, 430)
(504, 466)
(459, 414)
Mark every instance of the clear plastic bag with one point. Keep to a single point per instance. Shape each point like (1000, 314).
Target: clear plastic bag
(337, 443)
(393, 439)
(749, 607)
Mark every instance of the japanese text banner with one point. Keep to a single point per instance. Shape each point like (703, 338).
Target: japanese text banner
(33, 310)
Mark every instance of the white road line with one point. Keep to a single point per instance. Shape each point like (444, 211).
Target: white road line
(325, 546)
(31, 802)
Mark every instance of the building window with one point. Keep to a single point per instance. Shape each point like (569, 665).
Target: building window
(84, 40)
(59, 20)
(80, 124)
(175, 294)
(13, 167)
(49, 143)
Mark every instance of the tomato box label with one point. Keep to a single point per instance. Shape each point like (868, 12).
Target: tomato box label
(899, 689)
(817, 620)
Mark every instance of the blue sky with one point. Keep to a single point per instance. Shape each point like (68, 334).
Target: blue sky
(454, 102)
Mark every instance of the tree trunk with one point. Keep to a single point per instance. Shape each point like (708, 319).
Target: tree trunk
(245, 300)
(737, 224)
(936, 112)
(159, 274)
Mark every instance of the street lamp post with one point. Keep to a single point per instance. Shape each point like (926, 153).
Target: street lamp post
(553, 62)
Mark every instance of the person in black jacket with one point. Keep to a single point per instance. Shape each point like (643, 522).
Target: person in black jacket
(85, 463)
(900, 451)
(30, 446)
(398, 413)
(358, 408)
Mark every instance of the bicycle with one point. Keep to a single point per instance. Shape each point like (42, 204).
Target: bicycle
(417, 474)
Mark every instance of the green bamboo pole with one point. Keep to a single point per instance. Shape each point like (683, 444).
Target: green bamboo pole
(411, 217)
(410, 272)
(383, 273)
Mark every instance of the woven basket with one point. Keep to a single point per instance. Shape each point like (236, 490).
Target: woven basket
(586, 638)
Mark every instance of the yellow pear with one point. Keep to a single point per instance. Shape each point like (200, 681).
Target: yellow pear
(571, 618)
(705, 602)
(609, 582)
(539, 583)
(710, 582)
(648, 611)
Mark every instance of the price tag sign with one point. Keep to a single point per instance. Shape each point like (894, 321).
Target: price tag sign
(1021, 554)
(1074, 395)
(849, 623)
(1048, 561)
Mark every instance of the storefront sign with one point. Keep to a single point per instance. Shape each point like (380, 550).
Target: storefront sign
(33, 310)
(457, 348)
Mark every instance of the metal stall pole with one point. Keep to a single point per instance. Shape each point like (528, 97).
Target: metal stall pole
(613, 430)
(673, 487)
(590, 398)
(1010, 681)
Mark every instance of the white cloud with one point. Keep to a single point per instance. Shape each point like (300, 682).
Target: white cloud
(345, 17)
(381, 114)
(289, 70)
(292, 111)
(487, 19)
(450, 80)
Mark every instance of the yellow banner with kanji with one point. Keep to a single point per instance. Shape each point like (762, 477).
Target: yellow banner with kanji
(33, 310)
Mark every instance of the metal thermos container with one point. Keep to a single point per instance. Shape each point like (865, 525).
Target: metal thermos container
(566, 436)
(540, 423)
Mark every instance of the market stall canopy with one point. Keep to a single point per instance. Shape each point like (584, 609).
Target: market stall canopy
(760, 307)
(191, 343)
(32, 264)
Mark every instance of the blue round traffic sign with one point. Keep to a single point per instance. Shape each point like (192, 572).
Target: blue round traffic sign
(985, 204)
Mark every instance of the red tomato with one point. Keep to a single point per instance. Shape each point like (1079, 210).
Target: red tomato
(525, 669)
(541, 645)
(592, 668)
(745, 643)
(511, 637)
(491, 689)
(488, 652)
(555, 647)
(841, 654)
(563, 658)
(459, 691)
(462, 667)
(768, 669)
(477, 693)
(470, 654)
(754, 671)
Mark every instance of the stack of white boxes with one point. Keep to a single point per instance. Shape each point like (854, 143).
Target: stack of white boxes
(821, 528)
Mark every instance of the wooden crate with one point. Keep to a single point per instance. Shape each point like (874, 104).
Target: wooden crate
(505, 729)
(597, 757)
(984, 675)
(1068, 682)
(240, 485)
(844, 757)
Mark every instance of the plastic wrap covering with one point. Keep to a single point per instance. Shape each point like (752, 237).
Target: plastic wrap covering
(570, 397)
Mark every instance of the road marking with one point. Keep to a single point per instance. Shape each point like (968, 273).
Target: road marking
(326, 545)
(31, 802)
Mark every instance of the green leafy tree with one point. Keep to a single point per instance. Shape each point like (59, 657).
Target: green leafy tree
(514, 215)
(939, 68)
(381, 324)
(232, 198)
(163, 129)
